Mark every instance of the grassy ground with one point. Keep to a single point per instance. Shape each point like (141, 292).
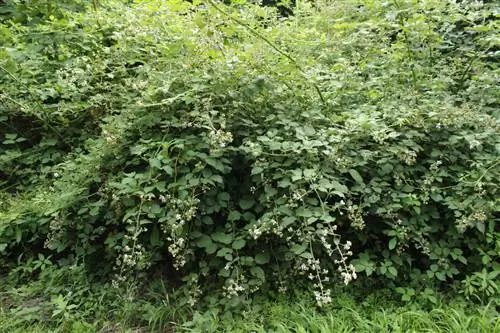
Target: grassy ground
(301, 319)
(375, 313)
(352, 317)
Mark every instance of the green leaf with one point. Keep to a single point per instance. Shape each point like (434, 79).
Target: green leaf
(480, 227)
(204, 241)
(432, 298)
(392, 270)
(168, 169)
(262, 258)
(257, 170)
(306, 255)
(288, 220)
(299, 248)
(364, 263)
(239, 244)
(234, 215)
(155, 163)
(226, 253)
(222, 238)
(309, 173)
(224, 273)
(155, 237)
(296, 175)
(386, 169)
(356, 176)
(392, 243)
(19, 235)
(207, 220)
(246, 203)
(210, 249)
(156, 209)
(223, 196)
(304, 212)
(440, 276)
(340, 188)
(258, 273)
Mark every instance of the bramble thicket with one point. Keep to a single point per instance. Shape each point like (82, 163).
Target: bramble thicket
(234, 153)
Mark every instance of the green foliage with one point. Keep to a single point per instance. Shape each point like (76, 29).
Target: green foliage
(232, 152)
(346, 316)
(35, 308)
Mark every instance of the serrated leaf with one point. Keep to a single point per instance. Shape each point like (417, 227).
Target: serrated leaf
(339, 187)
(309, 173)
(257, 170)
(211, 249)
(224, 273)
(155, 237)
(239, 244)
(168, 169)
(296, 175)
(224, 252)
(392, 243)
(400, 290)
(216, 164)
(303, 212)
(386, 169)
(298, 248)
(222, 237)
(155, 209)
(480, 227)
(306, 255)
(155, 163)
(288, 220)
(262, 258)
(204, 241)
(223, 196)
(234, 215)
(356, 176)
(246, 203)
(258, 273)
(441, 276)
(207, 220)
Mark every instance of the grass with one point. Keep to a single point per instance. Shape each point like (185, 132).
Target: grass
(367, 317)
(31, 308)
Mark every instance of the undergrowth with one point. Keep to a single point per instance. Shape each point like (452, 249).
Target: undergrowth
(45, 306)
(235, 155)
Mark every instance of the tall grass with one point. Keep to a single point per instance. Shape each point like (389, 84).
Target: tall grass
(301, 317)
(25, 309)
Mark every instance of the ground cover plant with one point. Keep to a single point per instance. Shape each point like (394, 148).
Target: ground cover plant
(235, 154)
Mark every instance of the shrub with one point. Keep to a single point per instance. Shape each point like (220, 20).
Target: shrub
(231, 150)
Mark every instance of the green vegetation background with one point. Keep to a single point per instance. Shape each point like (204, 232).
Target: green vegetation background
(175, 164)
